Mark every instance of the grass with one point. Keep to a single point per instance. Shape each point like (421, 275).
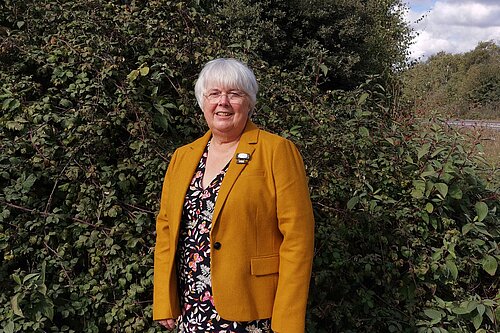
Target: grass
(489, 139)
(491, 143)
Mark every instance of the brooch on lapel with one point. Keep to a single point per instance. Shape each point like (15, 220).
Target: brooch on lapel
(242, 158)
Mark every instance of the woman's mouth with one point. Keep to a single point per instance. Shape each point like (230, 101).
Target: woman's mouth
(223, 114)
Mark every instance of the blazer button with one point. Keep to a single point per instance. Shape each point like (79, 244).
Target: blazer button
(217, 245)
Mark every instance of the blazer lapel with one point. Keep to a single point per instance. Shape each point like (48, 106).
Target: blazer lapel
(247, 145)
(188, 165)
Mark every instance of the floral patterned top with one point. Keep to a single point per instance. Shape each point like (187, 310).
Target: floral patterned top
(193, 262)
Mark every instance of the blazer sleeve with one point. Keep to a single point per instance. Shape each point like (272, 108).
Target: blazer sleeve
(296, 223)
(162, 307)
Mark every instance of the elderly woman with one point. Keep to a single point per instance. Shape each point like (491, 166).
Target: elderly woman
(235, 228)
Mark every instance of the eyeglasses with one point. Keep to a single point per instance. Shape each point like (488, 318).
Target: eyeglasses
(234, 97)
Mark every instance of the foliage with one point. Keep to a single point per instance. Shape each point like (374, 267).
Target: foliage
(334, 42)
(97, 94)
(460, 85)
(89, 120)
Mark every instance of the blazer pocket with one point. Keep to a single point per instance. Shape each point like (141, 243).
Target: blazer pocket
(265, 265)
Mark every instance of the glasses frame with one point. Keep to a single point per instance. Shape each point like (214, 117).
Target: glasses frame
(233, 96)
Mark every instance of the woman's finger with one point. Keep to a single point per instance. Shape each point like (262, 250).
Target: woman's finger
(167, 323)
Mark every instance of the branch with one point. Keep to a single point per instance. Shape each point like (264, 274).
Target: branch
(62, 266)
(45, 214)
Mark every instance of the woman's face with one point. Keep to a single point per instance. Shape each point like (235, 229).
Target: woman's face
(226, 111)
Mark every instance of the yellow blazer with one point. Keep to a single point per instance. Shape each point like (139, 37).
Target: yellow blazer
(263, 228)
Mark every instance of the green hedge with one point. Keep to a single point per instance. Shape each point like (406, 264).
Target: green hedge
(95, 97)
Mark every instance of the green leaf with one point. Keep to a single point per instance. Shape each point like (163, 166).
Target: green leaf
(9, 328)
(133, 75)
(14, 302)
(472, 305)
(429, 207)
(28, 183)
(423, 150)
(466, 228)
(113, 211)
(427, 173)
(417, 194)
(363, 131)
(435, 315)
(170, 106)
(363, 98)
(419, 189)
(42, 273)
(6, 103)
(14, 105)
(30, 277)
(16, 124)
(42, 288)
(455, 192)
(65, 102)
(434, 222)
(481, 210)
(48, 310)
(489, 313)
(452, 267)
(352, 202)
(295, 130)
(324, 69)
(425, 217)
(490, 264)
(477, 321)
(461, 310)
(144, 71)
(442, 189)
(481, 309)
(161, 121)
(16, 278)
(438, 151)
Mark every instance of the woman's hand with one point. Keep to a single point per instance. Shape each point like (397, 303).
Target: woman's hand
(169, 323)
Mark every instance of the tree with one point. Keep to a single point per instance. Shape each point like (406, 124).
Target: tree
(336, 43)
(458, 85)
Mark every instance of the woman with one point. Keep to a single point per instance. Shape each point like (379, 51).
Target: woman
(235, 228)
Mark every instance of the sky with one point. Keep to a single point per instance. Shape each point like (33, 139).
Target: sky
(453, 26)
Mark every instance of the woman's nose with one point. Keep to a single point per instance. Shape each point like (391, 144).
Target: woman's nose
(223, 99)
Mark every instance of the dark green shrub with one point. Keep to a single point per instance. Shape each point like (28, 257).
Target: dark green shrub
(333, 42)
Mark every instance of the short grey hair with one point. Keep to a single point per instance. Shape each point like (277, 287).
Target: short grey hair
(227, 72)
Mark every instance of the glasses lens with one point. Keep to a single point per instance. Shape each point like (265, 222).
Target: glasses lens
(234, 97)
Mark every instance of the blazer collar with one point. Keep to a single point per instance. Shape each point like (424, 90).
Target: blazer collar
(247, 143)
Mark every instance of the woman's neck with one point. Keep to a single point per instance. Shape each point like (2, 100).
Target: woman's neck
(224, 143)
